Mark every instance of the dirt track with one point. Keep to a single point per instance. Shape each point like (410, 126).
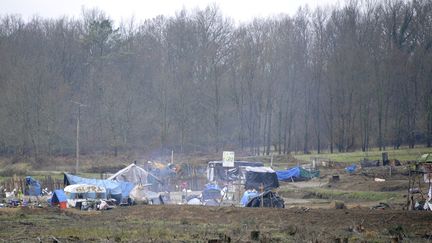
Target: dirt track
(174, 223)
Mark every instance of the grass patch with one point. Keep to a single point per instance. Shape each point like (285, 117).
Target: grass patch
(345, 195)
(403, 154)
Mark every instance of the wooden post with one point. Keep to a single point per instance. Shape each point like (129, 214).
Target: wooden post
(172, 156)
(262, 195)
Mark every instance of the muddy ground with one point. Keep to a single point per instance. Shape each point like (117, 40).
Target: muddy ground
(176, 223)
(309, 216)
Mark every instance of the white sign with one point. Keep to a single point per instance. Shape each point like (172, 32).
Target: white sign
(228, 159)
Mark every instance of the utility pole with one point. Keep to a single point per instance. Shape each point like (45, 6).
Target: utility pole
(77, 135)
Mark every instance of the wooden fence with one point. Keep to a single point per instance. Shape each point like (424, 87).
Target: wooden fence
(18, 183)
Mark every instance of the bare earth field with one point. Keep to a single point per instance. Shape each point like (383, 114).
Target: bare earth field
(175, 223)
(309, 216)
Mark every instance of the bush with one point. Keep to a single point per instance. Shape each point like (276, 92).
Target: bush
(16, 169)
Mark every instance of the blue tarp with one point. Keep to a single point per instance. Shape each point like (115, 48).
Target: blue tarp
(297, 174)
(211, 186)
(116, 189)
(248, 195)
(285, 175)
(33, 187)
(351, 169)
(58, 197)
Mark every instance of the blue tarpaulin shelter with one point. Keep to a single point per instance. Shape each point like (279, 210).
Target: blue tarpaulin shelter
(296, 174)
(118, 190)
(58, 197)
(33, 187)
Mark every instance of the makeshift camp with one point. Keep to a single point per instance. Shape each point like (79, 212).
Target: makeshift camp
(118, 190)
(217, 173)
(78, 193)
(133, 174)
(261, 178)
(59, 198)
(266, 199)
(32, 187)
(296, 174)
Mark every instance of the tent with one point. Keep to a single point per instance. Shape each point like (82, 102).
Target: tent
(296, 174)
(133, 174)
(59, 198)
(257, 176)
(118, 190)
(33, 187)
(269, 200)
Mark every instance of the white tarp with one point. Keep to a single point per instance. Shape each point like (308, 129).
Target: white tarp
(133, 174)
(260, 169)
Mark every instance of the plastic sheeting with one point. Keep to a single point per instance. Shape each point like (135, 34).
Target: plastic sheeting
(257, 176)
(351, 169)
(269, 200)
(290, 174)
(33, 187)
(296, 174)
(58, 197)
(216, 172)
(134, 174)
(118, 190)
(247, 196)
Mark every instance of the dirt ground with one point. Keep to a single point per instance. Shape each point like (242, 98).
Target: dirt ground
(176, 223)
(309, 216)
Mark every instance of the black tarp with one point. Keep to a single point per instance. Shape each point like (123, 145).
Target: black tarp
(230, 174)
(270, 200)
(257, 176)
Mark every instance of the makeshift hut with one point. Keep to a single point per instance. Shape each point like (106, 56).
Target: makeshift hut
(259, 178)
(266, 199)
(59, 198)
(119, 190)
(296, 174)
(217, 173)
(32, 187)
(133, 174)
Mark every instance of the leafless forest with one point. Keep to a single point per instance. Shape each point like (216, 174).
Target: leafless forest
(335, 79)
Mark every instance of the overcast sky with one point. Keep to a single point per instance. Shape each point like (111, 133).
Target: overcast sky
(239, 10)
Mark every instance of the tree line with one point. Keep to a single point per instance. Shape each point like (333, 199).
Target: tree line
(327, 79)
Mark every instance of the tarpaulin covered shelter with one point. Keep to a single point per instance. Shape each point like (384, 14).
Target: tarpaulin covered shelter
(257, 176)
(296, 174)
(216, 171)
(266, 199)
(118, 190)
(59, 198)
(133, 174)
(33, 187)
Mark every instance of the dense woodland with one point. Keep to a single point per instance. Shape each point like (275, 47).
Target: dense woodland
(328, 79)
